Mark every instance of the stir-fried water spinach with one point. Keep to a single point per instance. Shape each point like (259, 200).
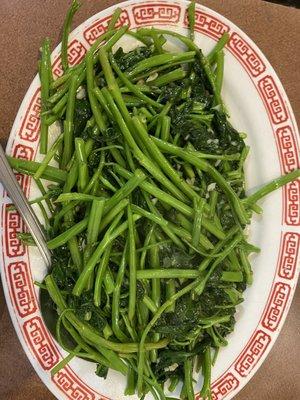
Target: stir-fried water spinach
(146, 209)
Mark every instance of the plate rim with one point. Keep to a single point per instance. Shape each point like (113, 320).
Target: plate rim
(12, 137)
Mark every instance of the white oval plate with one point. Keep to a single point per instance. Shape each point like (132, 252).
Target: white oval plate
(258, 106)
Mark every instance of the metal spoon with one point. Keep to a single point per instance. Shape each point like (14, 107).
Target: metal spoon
(9, 181)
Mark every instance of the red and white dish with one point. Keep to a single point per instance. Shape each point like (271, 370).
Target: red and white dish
(258, 106)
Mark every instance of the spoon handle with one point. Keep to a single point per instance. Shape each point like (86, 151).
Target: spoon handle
(9, 181)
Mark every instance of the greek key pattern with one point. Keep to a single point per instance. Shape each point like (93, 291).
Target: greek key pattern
(289, 255)
(31, 123)
(23, 182)
(208, 24)
(40, 343)
(287, 148)
(76, 52)
(67, 382)
(157, 13)
(276, 306)
(21, 288)
(247, 55)
(224, 386)
(100, 26)
(272, 99)
(292, 203)
(23, 152)
(13, 225)
(289, 160)
(253, 353)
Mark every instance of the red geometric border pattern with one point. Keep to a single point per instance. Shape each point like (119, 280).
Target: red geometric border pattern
(272, 99)
(290, 245)
(24, 152)
(287, 148)
(276, 306)
(34, 330)
(222, 387)
(247, 55)
(21, 288)
(40, 343)
(227, 384)
(158, 13)
(31, 123)
(252, 353)
(23, 182)
(14, 224)
(208, 24)
(99, 27)
(292, 203)
(71, 386)
(76, 52)
(289, 161)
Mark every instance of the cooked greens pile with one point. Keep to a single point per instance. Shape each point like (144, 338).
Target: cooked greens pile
(148, 208)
